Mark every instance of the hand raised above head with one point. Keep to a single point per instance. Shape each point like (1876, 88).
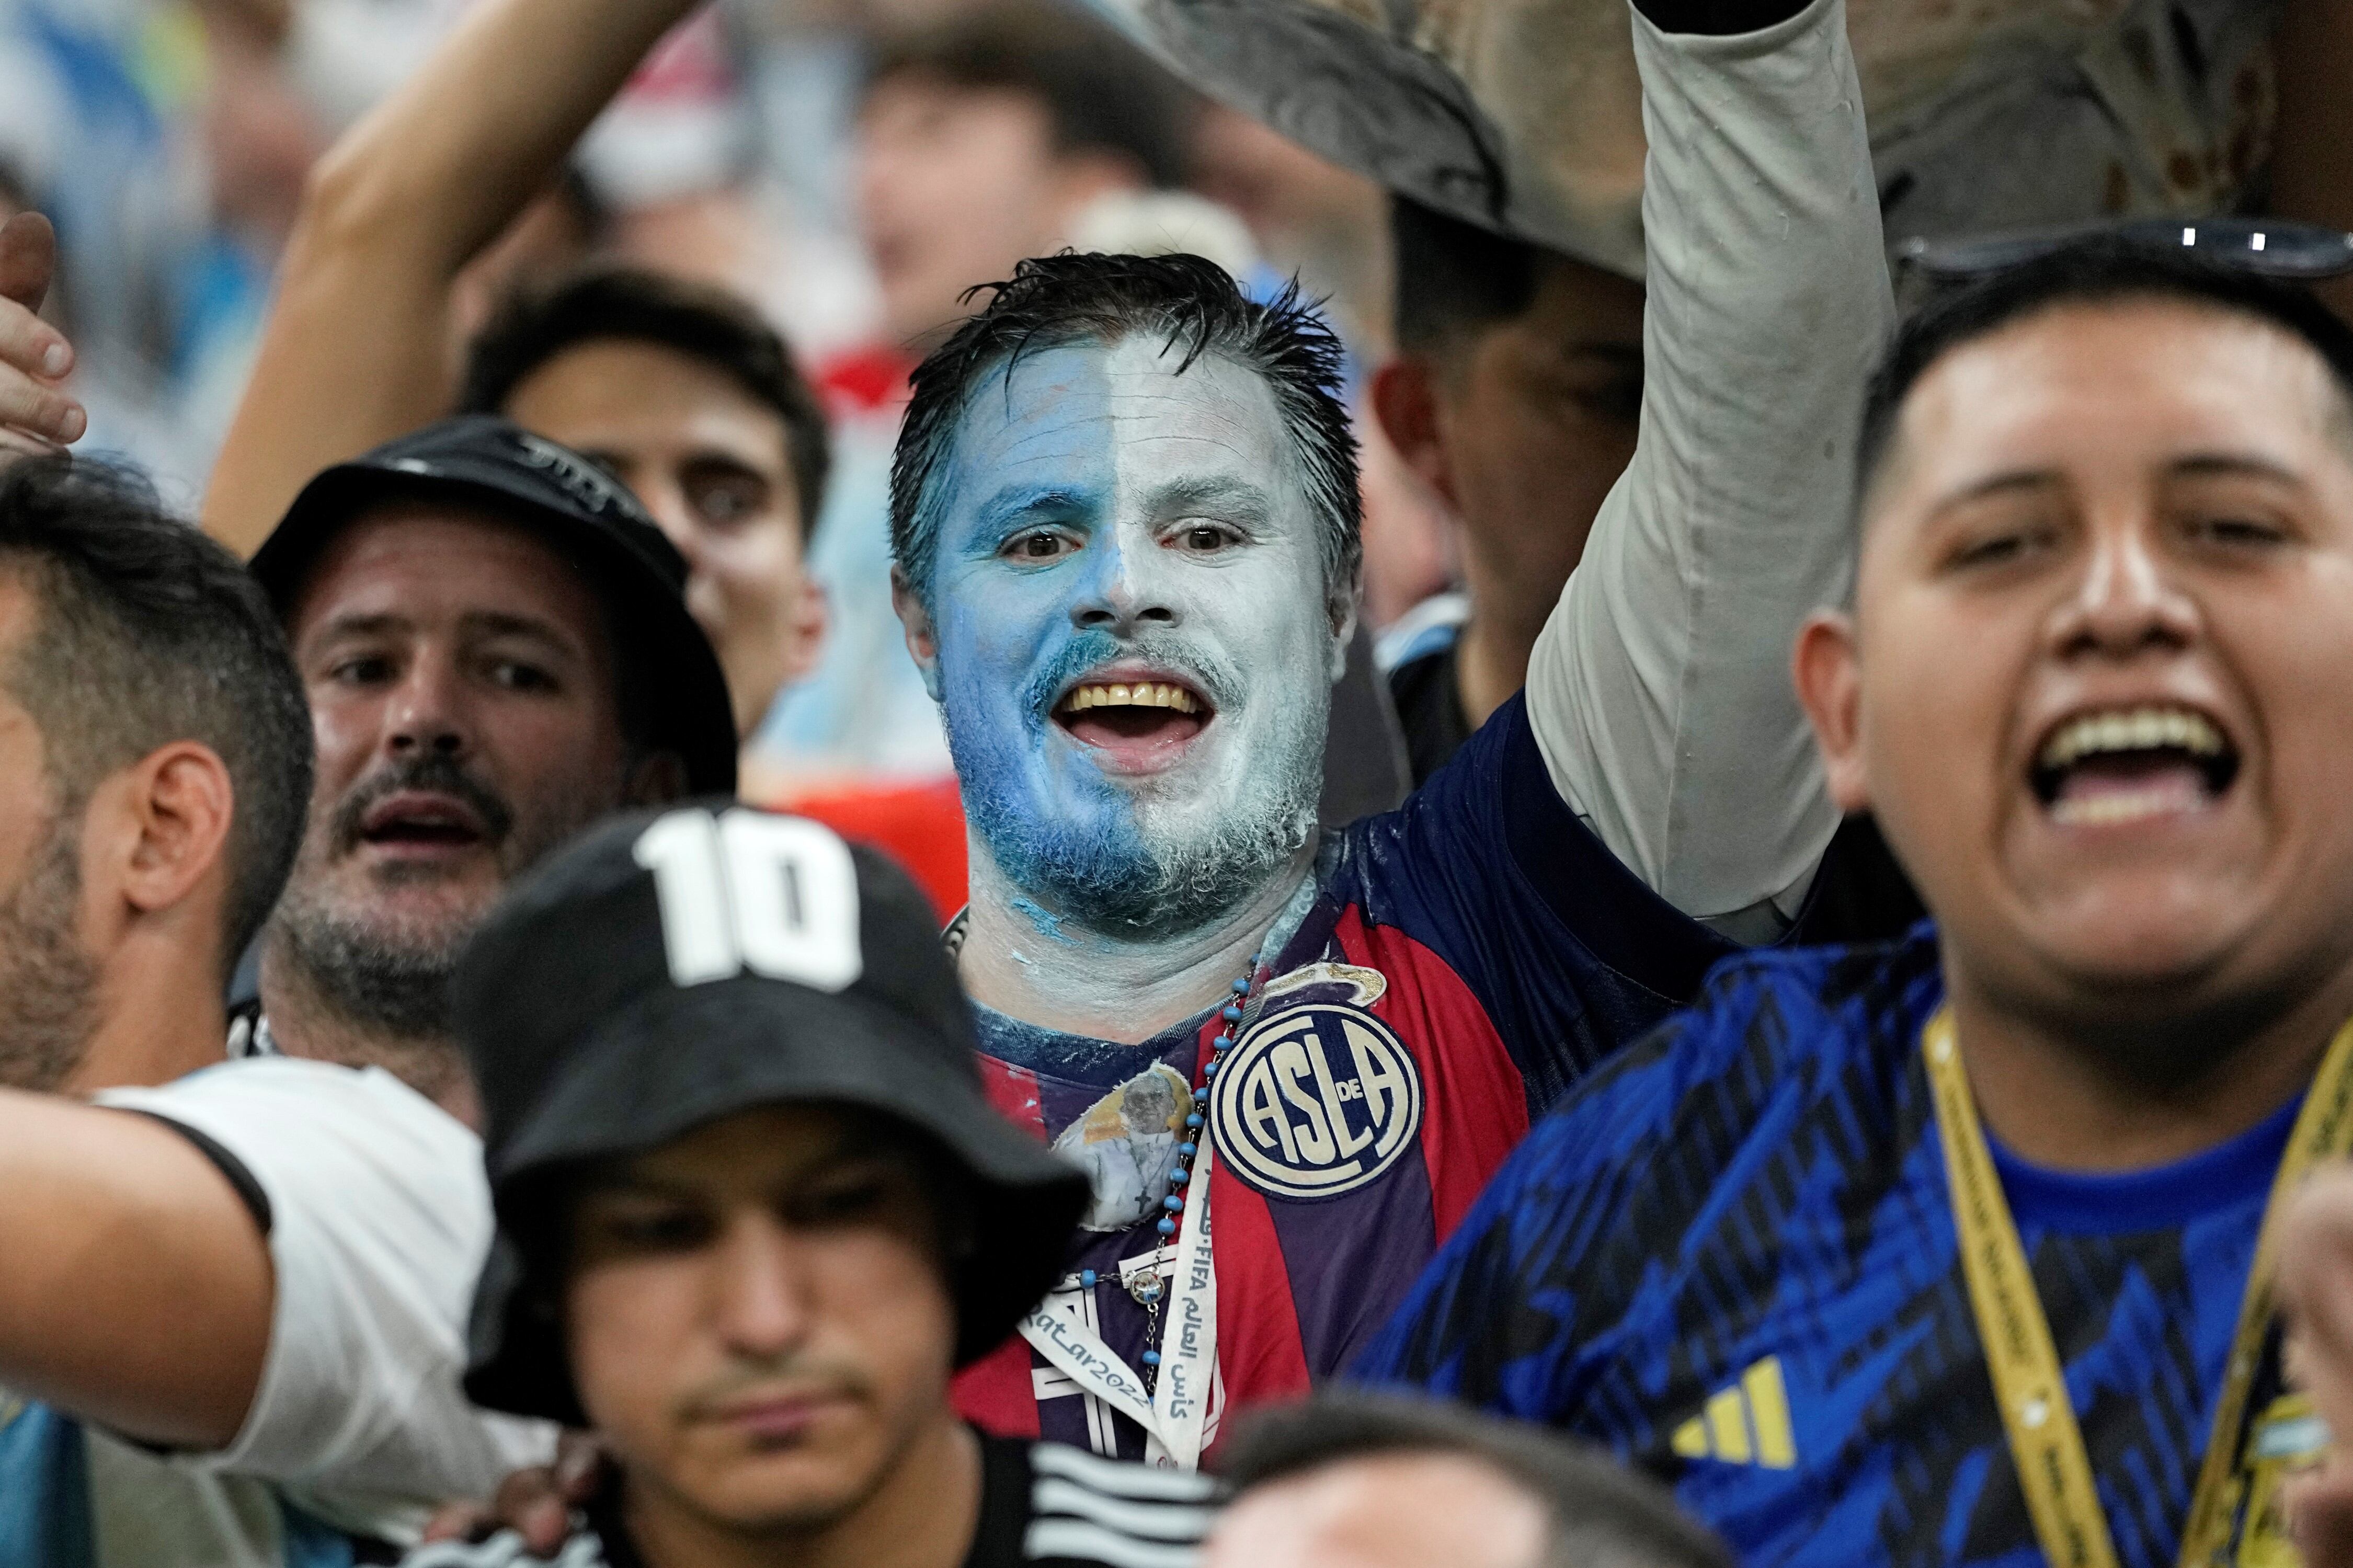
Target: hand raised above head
(36, 415)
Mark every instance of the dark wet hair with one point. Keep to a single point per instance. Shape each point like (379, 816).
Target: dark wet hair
(1190, 304)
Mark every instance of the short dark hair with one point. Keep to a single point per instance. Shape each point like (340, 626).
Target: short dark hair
(711, 325)
(2099, 271)
(1193, 306)
(1101, 93)
(149, 633)
(1601, 1514)
(1455, 279)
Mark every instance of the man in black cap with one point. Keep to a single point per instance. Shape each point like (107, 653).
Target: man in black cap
(495, 648)
(755, 1207)
(495, 645)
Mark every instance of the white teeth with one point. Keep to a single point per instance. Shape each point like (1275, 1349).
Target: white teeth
(2133, 729)
(2109, 808)
(1140, 694)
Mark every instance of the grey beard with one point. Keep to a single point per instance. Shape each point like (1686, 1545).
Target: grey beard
(1145, 885)
(49, 985)
(377, 983)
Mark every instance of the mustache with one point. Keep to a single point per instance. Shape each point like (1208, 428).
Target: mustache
(1219, 681)
(791, 1374)
(433, 772)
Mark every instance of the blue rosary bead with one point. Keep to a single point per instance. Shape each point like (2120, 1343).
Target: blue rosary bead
(1209, 1072)
(1166, 1228)
(1152, 1358)
(1241, 986)
(1223, 1043)
(1233, 1014)
(1171, 1203)
(1087, 1279)
(1201, 1096)
(1187, 1151)
(1179, 1176)
(1193, 1121)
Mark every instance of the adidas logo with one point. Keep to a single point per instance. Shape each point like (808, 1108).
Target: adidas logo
(1746, 1424)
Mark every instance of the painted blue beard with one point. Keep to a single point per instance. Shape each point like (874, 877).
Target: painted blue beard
(1092, 853)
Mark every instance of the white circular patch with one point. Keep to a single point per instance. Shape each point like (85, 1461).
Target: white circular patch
(1314, 1102)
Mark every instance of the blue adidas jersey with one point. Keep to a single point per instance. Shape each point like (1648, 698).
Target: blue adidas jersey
(1730, 1256)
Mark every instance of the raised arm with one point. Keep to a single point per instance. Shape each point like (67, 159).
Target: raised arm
(1660, 690)
(138, 1289)
(357, 349)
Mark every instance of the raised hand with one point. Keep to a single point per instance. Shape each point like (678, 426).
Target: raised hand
(36, 415)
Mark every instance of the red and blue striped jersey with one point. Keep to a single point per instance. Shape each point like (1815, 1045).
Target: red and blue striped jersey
(1468, 957)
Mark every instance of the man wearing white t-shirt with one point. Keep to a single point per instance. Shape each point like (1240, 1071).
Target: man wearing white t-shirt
(482, 622)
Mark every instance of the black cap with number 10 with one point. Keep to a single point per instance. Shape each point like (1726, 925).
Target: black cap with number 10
(668, 969)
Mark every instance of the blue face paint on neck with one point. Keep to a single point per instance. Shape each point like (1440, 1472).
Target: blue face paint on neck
(1107, 522)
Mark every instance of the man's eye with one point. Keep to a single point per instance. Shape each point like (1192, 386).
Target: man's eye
(1997, 547)
(655, 1230)
(2236, 532)
(1038, 547)
(367, 671)
(1206, 536)
(518, 677)
(727, 502)
(840, 1202)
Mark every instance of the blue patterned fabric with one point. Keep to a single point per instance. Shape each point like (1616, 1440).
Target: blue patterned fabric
(1730, 1258)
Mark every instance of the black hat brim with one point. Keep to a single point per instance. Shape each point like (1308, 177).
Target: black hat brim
(691, 714)
(625, 1094)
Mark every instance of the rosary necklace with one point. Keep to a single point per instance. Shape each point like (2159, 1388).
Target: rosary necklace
(1147, 1287)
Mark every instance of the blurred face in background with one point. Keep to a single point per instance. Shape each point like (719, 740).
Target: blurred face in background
(1384, 1510)
(1522, 427)
(955, 185)
(713, 465)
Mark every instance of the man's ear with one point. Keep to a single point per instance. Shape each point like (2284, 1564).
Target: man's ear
(157, 831)
(805, 630)
(1829, 677)
(917, 623)
(655, 779)
(1406, 401)
(1344, 628)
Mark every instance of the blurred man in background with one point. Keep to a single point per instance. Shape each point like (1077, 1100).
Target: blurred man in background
(1355, 1481)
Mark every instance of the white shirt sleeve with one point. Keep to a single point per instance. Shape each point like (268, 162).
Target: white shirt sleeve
(379, 1222)
(1660, 690)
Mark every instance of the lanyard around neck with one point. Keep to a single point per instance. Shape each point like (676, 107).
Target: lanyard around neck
(2045, 1444)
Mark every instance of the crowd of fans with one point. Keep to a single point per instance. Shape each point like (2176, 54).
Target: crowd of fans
(1659, 920)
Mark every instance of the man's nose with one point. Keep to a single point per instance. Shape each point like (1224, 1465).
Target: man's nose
(2126, 599)
(1125, 590)
(427, 711)
(759, 1298)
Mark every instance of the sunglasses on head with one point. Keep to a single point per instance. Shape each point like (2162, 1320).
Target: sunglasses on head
(2274, 247)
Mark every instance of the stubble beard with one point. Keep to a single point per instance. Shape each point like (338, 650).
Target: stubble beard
(388, 977)
(48, 984)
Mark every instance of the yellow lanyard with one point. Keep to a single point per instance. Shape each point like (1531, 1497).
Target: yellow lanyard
(2044, 1443)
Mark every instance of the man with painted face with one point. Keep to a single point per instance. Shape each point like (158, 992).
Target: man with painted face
(1125, 519)
(1959, 1252)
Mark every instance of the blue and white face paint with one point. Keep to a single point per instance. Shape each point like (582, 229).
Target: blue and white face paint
(1134, 647)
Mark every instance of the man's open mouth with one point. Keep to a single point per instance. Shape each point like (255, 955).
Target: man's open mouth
(422, 821)
(2114, 766)
(1135, 717)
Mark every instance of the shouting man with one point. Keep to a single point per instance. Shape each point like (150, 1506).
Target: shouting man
(1945, 1254)
(1125, 523)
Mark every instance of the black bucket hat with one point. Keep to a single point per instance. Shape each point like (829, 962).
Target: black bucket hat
(582, 513)
(792, 968)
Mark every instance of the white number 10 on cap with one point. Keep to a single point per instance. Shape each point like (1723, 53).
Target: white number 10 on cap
(775, 895)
